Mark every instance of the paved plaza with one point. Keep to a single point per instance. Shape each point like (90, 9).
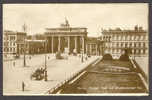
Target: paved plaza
(58, 71)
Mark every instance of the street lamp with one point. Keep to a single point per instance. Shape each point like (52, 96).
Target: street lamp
(24, 53)
(98, 46)
(82, 56)
(24, 29)
(45, 72)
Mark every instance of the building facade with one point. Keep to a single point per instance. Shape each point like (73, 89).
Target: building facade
(116, 41)
(94, 46)
(13, 42)
(35, 46)
(66, 39)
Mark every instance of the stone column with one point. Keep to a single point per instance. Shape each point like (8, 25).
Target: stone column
(52, 44)
(96, 49)
(59, 43)
(76, 43)
(90, 49)
(87, 49)
(69, 43)
(83, 44)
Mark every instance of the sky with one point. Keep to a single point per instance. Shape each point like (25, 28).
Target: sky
(37, 17)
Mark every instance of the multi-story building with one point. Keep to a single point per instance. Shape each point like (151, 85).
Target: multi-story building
(94, 46)
(34, 46)
(116, 41)
(13, 42)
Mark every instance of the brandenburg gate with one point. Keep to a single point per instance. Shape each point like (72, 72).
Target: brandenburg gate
(66, 39)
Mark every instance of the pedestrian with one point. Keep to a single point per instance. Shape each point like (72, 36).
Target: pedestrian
(31, 76)
(14, 63)
(23, 86)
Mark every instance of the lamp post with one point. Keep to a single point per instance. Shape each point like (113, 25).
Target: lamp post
(24, 53)
(24, 47)
(98, 46)
(134, 54)
(45, 72)
(82, 56)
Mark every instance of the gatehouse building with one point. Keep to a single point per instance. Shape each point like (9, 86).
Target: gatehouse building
(66, 39)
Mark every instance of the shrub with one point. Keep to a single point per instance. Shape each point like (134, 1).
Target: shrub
(124, 57)
(107, 57)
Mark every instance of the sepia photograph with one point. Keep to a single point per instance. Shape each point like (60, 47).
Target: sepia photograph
(92, 49)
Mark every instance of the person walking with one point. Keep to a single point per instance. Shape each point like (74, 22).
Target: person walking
(23, 86)
(13, 63)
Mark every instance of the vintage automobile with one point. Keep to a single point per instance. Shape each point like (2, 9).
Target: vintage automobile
(38, 74)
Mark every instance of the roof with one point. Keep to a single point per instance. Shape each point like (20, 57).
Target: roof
(9, 32)
(67, 29)
(35, 40)
(115, 31)
(92, 40)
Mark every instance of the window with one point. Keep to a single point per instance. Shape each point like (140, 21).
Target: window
(12, 38)
(135, 45)
(117, 44)
(121, 44)
(130, 45)
(144, 51)
(139, 44)
(125, 44)
(143, 44)
(14, 50)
